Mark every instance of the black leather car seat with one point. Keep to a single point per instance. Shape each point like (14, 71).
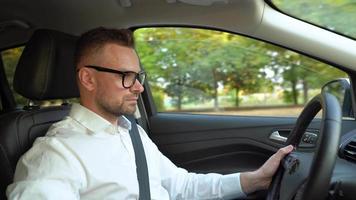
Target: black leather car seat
(45, 71)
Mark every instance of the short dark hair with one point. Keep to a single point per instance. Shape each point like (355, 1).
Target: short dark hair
(95, 39)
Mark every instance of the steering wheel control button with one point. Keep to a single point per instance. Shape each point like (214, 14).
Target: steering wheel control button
(308, 140)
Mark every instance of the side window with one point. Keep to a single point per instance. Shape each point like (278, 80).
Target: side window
(210, 72)
(10, 59)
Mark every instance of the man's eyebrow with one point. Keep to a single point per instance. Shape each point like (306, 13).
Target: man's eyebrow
(125, 69)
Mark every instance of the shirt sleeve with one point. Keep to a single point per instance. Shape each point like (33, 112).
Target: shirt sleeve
(182, 184)
(47, 171)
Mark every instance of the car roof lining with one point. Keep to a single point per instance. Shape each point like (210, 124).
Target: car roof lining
(76, 17)
(244, 17)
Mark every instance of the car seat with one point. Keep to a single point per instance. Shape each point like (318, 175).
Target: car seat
(45, 71)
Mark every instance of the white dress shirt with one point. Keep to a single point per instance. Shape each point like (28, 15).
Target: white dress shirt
(86, 157)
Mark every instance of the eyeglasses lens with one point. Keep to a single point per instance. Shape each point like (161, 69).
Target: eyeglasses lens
(130, 78)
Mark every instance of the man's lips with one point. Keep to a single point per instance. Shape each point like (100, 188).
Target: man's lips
(132, 99)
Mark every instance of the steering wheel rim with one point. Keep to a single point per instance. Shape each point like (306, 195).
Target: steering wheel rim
(312, 180)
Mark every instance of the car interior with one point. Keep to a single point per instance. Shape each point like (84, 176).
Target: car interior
(199, 142)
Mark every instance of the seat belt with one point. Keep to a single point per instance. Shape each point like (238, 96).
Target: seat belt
(140, 159)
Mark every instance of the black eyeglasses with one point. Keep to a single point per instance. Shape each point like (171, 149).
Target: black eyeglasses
(128, 77)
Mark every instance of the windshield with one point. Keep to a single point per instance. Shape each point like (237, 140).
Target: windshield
(336, 15)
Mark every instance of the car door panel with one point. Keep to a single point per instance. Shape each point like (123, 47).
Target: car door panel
(223, 144)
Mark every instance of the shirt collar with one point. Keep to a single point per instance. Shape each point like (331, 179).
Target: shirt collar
(94, 122)
(124, 122)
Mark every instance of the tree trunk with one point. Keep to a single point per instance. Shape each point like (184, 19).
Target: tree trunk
(216, 100)
(237, 97)
(294, 92)
(179, 102)
(180, 95)
(305, 91)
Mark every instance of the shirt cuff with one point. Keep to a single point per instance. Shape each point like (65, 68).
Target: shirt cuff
(231, 186)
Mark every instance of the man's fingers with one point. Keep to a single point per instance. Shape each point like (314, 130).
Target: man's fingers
(269, 168)
(284, 151)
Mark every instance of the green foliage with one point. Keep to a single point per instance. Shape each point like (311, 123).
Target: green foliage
(190, 66)
(335, 15)
(158, 97)
(289, 97)
(10, 59)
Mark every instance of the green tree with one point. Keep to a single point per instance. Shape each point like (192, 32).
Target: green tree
(335, 15)
(10, 59)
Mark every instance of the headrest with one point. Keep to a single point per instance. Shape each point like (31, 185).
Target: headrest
(46, 67)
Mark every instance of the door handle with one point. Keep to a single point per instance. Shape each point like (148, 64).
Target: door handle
(276, 136)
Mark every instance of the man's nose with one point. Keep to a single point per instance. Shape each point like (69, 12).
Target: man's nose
(137, 87)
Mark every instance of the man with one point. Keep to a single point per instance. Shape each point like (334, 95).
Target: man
(89, 154)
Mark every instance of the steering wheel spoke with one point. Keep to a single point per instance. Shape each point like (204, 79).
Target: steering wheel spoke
(296, 171)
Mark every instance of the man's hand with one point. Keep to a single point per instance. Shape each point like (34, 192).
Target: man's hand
(261, 178)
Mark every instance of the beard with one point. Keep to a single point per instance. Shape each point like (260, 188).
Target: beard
(114, 108)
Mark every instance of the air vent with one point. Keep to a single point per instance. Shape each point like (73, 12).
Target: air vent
(348, 150)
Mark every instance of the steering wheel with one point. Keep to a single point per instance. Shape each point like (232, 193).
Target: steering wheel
(305, 174)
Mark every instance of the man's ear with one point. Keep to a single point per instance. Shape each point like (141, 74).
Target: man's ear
(87, 79)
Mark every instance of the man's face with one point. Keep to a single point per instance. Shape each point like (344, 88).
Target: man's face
(111, 97)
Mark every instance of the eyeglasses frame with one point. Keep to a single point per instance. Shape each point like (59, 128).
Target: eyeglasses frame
(123, 73)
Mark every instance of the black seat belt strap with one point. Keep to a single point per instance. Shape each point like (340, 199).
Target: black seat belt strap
(141, 163)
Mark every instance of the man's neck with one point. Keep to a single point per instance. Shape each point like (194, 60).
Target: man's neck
(112, 119)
